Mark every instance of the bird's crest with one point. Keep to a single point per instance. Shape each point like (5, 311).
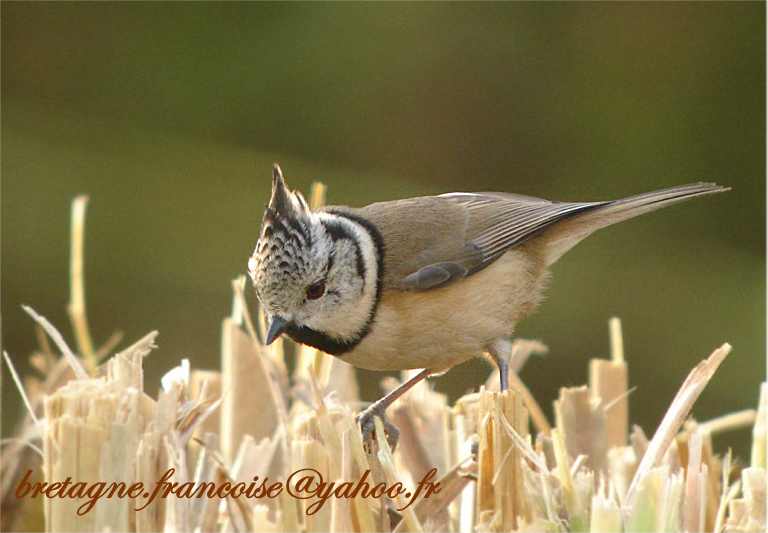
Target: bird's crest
(284, 240)
(284, 202)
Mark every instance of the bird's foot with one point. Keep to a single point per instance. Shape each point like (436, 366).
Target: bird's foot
(368, 427)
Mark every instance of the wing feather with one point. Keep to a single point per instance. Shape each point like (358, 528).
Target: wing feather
(431, 241)
(501, 221)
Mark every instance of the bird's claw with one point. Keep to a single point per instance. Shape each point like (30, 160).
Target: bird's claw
(368, 427)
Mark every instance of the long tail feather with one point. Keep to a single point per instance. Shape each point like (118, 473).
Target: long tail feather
(564, 236)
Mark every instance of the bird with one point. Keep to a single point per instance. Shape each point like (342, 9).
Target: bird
(420, 283)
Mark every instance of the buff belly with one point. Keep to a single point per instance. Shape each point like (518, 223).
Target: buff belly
(440, 328)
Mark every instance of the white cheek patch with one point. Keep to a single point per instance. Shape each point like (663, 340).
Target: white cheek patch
(346, 318)
(345, 272)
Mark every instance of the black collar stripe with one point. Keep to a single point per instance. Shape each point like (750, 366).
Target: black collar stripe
(322, 341)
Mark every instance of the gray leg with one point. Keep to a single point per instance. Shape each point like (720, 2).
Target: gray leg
(503, 374)
(377, 408)
(501, 351)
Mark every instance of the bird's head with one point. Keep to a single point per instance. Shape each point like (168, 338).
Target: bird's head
(315, 273)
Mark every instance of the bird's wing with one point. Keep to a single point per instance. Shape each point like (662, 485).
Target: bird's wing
(433, 241)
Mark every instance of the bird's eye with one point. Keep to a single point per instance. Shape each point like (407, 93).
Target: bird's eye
(316, 290)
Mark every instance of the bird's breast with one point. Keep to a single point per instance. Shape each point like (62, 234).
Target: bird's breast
(440, 328)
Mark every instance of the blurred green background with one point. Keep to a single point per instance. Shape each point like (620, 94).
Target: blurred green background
(170, 115)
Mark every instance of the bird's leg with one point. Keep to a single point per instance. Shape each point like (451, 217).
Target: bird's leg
(503, 374)
(501, 351)
(378, 408)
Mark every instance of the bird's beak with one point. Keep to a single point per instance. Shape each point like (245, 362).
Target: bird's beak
(276, 328)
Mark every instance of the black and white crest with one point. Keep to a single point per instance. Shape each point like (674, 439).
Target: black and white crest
(281, 256)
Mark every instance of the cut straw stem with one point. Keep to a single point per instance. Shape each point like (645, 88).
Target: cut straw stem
(19, 386)
(729, 422)
(384, 455)
(76, 306)
(675, 416)
(617, 340)
(317, 195)
(240, 312)
(56, 337)
(537, 413)
(759, 441)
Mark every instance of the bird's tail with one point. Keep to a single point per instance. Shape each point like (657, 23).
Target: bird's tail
(563, 236)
